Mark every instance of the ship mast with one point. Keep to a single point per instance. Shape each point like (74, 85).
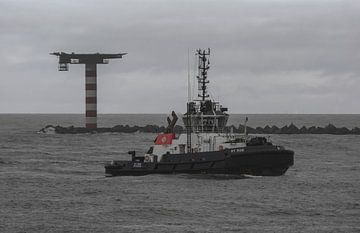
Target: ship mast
(202, 73)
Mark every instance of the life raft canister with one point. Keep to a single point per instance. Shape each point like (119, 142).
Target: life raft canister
(147, 158)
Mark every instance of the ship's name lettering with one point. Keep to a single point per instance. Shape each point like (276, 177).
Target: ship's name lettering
(238, 150)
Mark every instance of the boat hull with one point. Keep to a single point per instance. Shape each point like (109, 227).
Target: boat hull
(257, 161)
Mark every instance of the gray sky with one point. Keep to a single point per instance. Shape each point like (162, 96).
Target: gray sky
(268, 56)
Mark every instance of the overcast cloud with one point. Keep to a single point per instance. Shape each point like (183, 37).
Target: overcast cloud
(267, 56)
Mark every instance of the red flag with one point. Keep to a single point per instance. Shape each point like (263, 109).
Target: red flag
(164, 139)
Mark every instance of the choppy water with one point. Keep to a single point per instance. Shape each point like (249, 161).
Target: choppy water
(56, 183)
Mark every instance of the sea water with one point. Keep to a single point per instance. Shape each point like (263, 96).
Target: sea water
(56, 183)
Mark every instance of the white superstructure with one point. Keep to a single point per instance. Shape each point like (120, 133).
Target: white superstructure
(200, 142)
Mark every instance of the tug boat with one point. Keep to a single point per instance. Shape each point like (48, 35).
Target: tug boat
(207, 146)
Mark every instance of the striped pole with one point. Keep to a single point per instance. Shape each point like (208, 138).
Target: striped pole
(91, 99)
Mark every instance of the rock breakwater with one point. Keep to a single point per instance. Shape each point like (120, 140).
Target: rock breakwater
(287, 129)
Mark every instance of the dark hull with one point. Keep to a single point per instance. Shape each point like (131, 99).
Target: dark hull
(255, 160)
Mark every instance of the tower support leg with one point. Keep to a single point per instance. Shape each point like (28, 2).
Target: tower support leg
(91, 96)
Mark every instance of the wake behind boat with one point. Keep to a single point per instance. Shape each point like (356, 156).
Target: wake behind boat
(207, 146)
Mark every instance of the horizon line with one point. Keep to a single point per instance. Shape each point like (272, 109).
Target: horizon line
(157, 113)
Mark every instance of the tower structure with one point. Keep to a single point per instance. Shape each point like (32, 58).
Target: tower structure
(203, 113)
(90, 61)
